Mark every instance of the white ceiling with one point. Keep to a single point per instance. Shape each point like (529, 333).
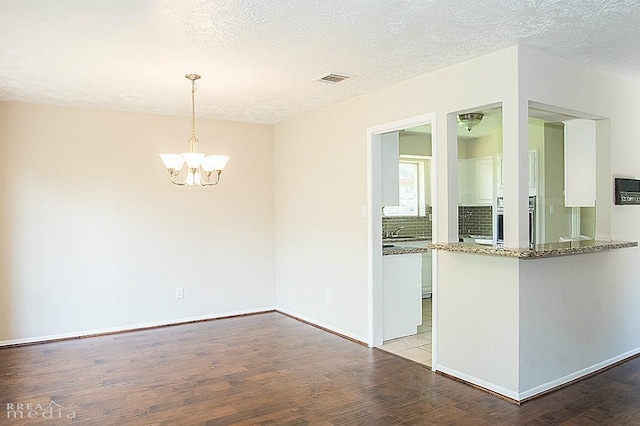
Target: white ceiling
(258, 58)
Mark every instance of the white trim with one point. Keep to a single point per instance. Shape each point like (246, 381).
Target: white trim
(361, 339)
(178, 321)
(434, 307)
(374, 237)
(131, 327)
(479, 382)
(577, 375)
(553, 384)
(402, 124)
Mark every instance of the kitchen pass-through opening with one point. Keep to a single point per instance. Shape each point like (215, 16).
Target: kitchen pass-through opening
(401, 218)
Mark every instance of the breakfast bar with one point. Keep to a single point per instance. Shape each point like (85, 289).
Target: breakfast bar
(540, 251)
(521, 322)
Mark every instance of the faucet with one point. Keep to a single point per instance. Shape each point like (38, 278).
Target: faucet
(391, 234)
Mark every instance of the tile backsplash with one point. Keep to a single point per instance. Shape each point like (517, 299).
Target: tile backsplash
(410, 225)
(475, 220)
(472, 220)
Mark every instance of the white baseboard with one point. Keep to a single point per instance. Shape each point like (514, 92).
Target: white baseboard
(545, 387)
(329, 327)
(576, 375)
(479, 382)
(110, 330)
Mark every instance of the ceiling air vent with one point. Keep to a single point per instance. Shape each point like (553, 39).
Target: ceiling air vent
(332, 78)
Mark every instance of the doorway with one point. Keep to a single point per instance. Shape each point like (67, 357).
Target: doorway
(375, 228)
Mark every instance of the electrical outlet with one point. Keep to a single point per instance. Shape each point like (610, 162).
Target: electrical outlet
(327, 297)
(179, 292)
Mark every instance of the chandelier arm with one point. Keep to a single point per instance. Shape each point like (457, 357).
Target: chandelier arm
(218, 173)
(207, 180)
(174, 178)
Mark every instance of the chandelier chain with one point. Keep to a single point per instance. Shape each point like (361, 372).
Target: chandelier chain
(193, 143)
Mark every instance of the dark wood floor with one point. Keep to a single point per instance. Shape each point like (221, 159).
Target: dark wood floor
(271, 369)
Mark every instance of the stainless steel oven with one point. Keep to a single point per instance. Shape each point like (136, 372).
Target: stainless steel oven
(532, 222)
(500, 221)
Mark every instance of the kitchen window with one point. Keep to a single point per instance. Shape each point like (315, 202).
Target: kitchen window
(412, 189)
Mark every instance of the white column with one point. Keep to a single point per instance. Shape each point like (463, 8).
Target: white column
(446, 161)
(515, 119)
(604, 184)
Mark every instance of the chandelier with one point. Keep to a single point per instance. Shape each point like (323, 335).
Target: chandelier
(202, 169)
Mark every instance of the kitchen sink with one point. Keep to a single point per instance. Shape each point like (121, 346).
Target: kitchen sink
(483, 239)
(478, 239)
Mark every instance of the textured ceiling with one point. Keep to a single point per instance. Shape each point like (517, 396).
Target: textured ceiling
(258, 57)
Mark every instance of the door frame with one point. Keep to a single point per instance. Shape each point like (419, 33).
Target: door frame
(374, 210)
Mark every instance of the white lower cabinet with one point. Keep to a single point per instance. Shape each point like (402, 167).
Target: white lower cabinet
(402, 290)
(426, 265)
(426, 274)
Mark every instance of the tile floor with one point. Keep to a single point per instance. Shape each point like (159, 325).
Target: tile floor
(418, 346)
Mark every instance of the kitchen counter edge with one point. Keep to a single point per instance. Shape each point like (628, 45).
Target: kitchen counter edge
(538, 253)
(403, 250)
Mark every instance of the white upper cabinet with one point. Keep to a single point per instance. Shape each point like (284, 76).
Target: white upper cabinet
(580, 163)
(499, 175)
(533, 173)
(475, 181)
(484, 180)
(464, 183)
(390, 169)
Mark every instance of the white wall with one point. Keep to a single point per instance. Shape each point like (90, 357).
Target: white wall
(478, 320)
(415, 144)
(557, 82)
(321, 185)
(95, 237)
(575, 318)
(321, 238)
(557, 224)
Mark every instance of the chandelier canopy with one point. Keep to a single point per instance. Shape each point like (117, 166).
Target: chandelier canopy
(200, 167)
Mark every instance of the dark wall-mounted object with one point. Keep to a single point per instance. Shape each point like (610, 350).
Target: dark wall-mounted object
(627, 191)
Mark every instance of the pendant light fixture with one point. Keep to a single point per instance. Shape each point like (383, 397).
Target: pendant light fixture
(470, 120)
(202, 169)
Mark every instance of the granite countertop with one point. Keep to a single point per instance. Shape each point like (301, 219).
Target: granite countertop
(394, 245)
(540, 251)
